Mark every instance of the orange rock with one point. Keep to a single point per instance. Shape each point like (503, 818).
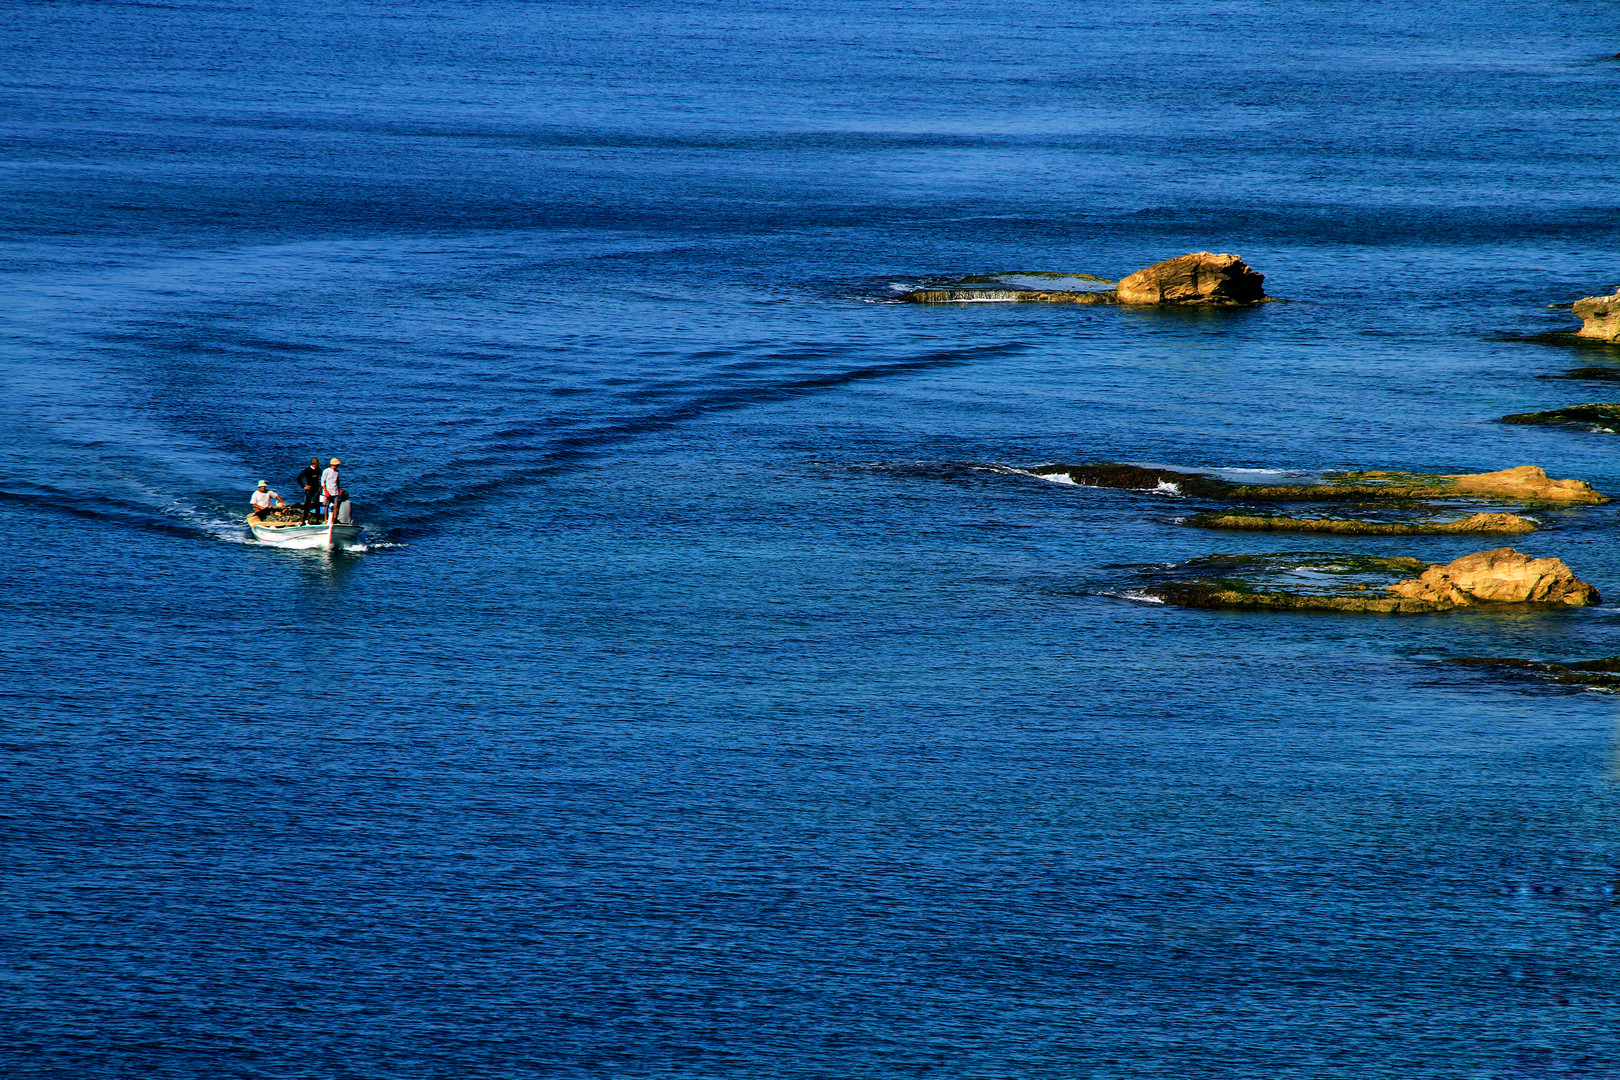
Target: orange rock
(1500, 576)
(1201, 278)
(1529, 483)
(1600, 317)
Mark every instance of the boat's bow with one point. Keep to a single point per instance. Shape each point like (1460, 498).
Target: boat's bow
(330, 535)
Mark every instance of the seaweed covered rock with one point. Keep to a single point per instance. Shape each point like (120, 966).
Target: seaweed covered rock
(1113, 474)
(1600, 317)
(1602, 673)
(1362, 583)
(1600, 415)
(1525, 484)
(1482, 523)
(1200, 278)
(1500, 576)
(1285, 581)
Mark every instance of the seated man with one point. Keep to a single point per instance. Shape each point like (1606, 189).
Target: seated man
(344, 515)
(261, 500)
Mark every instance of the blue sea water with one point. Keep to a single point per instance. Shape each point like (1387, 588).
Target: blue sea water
(715, 692)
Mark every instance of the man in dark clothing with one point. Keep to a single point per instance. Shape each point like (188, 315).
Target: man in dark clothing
(310, 481)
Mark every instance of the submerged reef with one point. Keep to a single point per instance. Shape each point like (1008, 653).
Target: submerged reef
(1524, 484)
(1600, 324)
(1198, 279)
(1600, 674)
(1481, 523)
(1361, 583)
(1047, 275)
(953, 295)
(1589, 374)
(1603, 416)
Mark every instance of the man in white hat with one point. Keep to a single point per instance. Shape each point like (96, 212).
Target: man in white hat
(330, 485)
(261, 500)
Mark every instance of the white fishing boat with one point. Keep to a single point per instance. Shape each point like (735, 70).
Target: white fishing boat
(288, 532)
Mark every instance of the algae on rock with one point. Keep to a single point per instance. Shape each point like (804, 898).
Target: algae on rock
(1198, 279)
(1602, 415)
(1525, 484)
(1481, 523)
(1598, 674)
(1360, 583)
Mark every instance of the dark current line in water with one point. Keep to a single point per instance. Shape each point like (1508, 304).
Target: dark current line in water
(103, 510)
(569, 451)
(562, 454)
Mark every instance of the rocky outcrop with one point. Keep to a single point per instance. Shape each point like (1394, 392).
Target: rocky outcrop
(1360, 583)
(1601, 415)
(1501, 576)
(1278, 582)
(1201, 278)
(1600, 317)
(1489, 524)
(1525, 484)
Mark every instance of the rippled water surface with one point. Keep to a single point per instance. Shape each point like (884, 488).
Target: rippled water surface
(719, 690)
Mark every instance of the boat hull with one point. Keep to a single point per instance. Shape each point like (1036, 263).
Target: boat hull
(304, 536)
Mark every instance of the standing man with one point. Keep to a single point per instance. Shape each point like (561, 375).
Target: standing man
(310, 481)
(330, 486)
(261, 500)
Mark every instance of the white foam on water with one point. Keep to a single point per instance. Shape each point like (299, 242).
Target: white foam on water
(194, 517)
(1164, 487)
(1051, 478)
(231, 532)
(1133, 595)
